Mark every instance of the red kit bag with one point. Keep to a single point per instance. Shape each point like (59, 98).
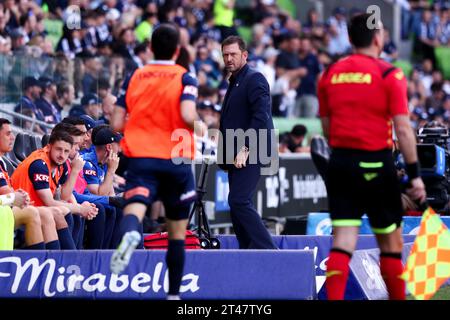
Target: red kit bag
(160, 241)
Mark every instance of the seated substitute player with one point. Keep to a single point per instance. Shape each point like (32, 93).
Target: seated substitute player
(41, 173)
(24, 215)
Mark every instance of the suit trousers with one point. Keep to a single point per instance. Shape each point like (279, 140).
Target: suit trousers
(247, 224)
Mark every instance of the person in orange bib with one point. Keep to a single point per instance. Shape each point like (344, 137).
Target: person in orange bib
(157, 113)
(25, 215)
(41, 173)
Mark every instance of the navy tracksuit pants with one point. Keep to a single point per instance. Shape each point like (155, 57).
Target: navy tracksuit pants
(248, 226)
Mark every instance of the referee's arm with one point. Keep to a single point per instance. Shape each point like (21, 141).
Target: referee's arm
(406, 138)
(396, 85)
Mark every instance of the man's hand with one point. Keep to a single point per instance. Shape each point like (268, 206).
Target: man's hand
(21, 199)
(77, 164)
(302, 71)
(88, 210)
(241, 158)
(417, 190)
(113, 162)
(118, 180)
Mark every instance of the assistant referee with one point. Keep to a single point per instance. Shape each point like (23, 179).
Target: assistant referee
(360, 97)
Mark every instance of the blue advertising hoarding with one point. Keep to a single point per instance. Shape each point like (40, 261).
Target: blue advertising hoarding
(208, 274)
(319, 223)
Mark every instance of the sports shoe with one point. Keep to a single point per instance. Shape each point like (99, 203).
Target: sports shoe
(121, 257)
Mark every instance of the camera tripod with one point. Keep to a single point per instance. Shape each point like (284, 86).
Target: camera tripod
(202, 228)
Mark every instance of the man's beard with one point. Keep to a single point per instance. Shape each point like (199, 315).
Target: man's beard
(55, 163)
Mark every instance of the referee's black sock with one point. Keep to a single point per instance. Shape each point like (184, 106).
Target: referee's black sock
(175, 263)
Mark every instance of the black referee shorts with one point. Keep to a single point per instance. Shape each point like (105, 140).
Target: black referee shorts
(364, 182)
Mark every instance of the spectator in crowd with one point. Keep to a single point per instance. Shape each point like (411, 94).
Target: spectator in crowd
(284, 94)
(28, 25)
(267, 67)
(92, 67)
(90, 105)
(207, 93)
(18, 41)
(428, 36)
(288, 61)
(209, 113)
(293, 141)
(46, 104)
(144, 29)
(101, 88)
(446, 109)
(426, 75)
(390, 53)
(142, 54)
(223, 17)
(102, 30)
(70, 43)
(208, 66)
(260, 40)
(206, 30)
(31, 89)
(339, 43)
(313, 26)
(65, 95)
(444, 26)
(61, 63)
(434, 103)
(108, 104)
(307, 103)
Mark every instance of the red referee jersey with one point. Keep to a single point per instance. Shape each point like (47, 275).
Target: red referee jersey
(360, 95)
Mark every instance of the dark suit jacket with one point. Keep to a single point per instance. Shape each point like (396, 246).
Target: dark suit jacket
(246, 105)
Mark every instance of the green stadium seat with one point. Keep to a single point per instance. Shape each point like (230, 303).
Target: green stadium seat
(443, 60)
(245, 33)
(289, 6)
(54, 30)
(313, 125)
(406, 66)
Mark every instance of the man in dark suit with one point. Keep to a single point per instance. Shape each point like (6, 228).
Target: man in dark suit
(246, 108)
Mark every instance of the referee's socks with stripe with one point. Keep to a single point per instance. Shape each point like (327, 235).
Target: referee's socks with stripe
(337, 273)
(391, 268)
